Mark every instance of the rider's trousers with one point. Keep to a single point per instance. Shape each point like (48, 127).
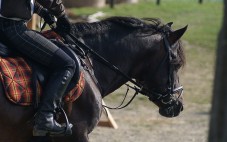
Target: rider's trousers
(39, 49)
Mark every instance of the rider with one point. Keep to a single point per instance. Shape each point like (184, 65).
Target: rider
(14, 15)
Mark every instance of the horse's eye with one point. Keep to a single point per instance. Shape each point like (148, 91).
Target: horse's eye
(174, 55)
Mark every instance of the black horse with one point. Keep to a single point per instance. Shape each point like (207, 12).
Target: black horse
(145, 50)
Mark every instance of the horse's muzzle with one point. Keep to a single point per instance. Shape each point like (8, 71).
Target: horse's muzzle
(172, 110)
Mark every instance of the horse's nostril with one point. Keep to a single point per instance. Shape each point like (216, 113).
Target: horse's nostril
(182, 108)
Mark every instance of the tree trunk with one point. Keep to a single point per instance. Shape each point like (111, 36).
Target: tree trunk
(158, 2)
(111, 3)
(218, 121)
(200, 1)
(125, 1)
(84, 3)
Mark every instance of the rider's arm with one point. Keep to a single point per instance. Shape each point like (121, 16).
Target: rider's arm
(38, 9)
(54, 6)
(44, 13)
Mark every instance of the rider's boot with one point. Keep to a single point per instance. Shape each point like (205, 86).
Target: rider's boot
(45, 124)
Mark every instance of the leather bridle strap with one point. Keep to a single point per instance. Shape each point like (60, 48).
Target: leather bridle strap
(155, 96)
(170, 67)
(138, 86)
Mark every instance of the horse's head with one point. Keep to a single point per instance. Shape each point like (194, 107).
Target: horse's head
(147, 50)
(160, 79)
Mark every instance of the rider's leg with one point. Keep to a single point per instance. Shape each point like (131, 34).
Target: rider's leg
(57, 83)
(40, 49)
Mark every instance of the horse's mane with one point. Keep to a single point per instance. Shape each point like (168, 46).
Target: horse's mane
(145, 26)
(131, 23)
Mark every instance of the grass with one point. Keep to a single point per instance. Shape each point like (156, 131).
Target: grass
(203, 22)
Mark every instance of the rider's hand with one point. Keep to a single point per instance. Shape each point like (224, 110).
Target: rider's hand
(63, 24)
(48, 18)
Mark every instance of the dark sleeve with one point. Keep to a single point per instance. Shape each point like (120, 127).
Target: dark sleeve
(38, 8)
(54, 6)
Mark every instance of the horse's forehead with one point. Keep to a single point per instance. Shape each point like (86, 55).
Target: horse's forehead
(152, 41)
(175, 47)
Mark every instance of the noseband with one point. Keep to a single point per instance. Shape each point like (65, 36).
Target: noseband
(155, 96)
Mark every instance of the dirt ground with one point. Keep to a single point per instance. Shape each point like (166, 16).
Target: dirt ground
(141, 122)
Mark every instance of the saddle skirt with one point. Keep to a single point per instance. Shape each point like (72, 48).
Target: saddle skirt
(16, 76)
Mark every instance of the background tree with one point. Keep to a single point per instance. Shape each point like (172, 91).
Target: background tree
(218, 121)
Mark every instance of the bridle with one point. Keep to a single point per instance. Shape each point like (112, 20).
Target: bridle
(138, 87)
(171, 90)
(164, 99)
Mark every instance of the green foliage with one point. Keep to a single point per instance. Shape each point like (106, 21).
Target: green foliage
(203, 19)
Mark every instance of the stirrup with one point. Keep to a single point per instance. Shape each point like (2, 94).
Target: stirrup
(43, 133)
(68, 126)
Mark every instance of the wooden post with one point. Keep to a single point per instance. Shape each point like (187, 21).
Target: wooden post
(111, 3)
(218, 125)
(158, 2)
(32, 23)
(110, 120)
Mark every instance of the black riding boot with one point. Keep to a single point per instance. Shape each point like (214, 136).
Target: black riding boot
(45, 123)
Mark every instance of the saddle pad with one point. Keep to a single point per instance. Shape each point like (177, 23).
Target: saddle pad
(49, 34)
(16, 77)
(74, 93)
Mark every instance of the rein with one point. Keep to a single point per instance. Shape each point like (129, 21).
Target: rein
(138, 88)
(87, 49)
(137, 91)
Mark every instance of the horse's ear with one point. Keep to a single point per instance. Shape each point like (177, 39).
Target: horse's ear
(170, 24)
(176, 35)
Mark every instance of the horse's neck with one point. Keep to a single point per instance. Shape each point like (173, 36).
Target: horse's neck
(123, 50)
(108, 79)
